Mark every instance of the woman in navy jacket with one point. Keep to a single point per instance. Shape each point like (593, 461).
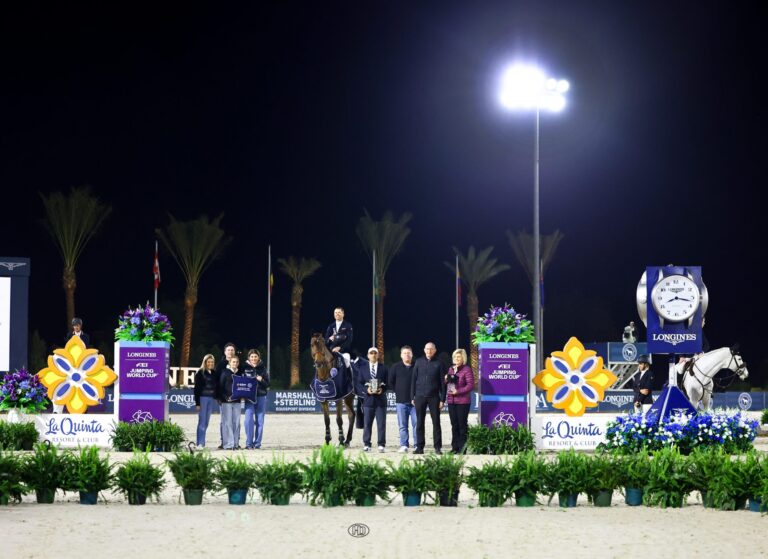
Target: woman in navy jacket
(256, 411)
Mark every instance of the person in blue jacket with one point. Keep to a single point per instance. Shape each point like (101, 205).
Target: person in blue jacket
(256, 411)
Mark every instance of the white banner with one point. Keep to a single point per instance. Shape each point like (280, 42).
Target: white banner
(5, 324)
(73, 430)
(560, 432)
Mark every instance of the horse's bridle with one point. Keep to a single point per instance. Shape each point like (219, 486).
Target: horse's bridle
(725, 382)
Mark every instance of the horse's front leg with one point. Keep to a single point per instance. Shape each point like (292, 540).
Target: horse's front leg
(350, 403)
(705, 400)
(340, 421)
(327, 418)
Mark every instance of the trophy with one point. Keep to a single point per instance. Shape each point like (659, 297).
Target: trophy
(375, 385)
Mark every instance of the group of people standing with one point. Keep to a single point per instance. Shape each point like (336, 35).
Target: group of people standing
(214, 389)
(420, 386)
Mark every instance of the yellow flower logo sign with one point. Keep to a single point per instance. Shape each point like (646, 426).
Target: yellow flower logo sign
(76, 377)
(574, 379)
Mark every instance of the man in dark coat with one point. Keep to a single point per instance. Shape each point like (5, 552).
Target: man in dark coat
(370, 380)
(428, 391)
(77, 330)
(643, 383)
(338, 335)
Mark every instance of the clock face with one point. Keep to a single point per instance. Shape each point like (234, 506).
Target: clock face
(676, 298)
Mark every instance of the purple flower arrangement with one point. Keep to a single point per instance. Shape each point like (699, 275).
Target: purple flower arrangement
(23, 391)
(503, 324)
(636, 433)
(144, 324)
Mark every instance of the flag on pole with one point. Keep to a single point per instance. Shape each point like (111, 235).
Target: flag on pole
(156, 272)
(271, 282)
(458, 284)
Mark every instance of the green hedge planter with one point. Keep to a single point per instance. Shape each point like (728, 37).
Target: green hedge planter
(603, 498)
(490, 499)
(237, 496)
(525, 499)
(193, 496)
(755, 505)
(136, 498)
(449, 500)
(280, 500)
(88, 497)
(366, 501)
(633, 496)
(45, 496)
(411, 499)
(568, 500)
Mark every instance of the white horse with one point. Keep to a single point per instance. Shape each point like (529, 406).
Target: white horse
(699, 378)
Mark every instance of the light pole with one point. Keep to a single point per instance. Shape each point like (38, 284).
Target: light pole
(527, 88)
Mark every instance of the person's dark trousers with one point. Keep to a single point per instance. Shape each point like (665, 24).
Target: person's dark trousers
(459, 414)
(380, 414)
(421, 404)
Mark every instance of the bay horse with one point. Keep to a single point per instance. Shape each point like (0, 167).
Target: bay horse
(698, 375)
(332, 383)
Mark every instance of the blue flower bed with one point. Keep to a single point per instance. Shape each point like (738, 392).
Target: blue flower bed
(635, 433)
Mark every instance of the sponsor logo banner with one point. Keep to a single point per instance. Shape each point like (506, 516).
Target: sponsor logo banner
(73, 430)
(558, 432)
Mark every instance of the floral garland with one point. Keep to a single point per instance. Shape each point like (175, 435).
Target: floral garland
(635, 433)
(23, 391)
(144, 324)
(503, 324)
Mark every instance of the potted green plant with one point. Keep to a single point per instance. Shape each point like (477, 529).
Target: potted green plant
(18, 436)
(369, 480)
(567, 476)
(491, 482)
(89, 474)
(527, 478)
(42, 471)
(158, 436)
(138, 478)
(706, 466)
(278, 481)
(410, 478)
(193, 472)
(669, 479)
(736, 481)
(634, 470)
(236, 476)
(604, 478)
(326, 477)
(11, 485)
(445, 476)
(499, 440)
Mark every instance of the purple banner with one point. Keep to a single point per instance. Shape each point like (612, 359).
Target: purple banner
(139, 411)
(503, 369)
(144, 368)
(500, 412)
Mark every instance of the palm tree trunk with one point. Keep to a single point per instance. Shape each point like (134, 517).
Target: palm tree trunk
(190, 300)
(69, 281)
(295, 320)
(380, 320)
(472, 313)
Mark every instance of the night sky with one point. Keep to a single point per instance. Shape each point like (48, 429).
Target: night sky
(291, 119)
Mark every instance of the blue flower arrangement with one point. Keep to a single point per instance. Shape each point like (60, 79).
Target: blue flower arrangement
(503, 324)
(144, 324)
(635, 433)
(23, 391)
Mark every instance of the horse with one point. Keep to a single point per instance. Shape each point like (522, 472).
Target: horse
(332, 382)
(699, 373)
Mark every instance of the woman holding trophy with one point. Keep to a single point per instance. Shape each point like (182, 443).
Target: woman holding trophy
(459, 381)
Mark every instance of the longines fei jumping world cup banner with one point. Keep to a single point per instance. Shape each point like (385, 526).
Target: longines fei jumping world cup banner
(143, 369)
(503, 383)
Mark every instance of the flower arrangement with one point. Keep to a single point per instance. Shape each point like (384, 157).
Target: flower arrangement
(144, 324)
(686, 432)
(23, 391)
(503, 324)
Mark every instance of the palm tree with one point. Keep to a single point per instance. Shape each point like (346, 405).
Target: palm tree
(72, 221)
(475, 268)
(522, 245)
(194, 245)
(386, 238)
(298, 271)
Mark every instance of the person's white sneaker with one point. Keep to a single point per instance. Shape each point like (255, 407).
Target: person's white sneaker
(367, 449)
(381, 448)
(403, 449)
